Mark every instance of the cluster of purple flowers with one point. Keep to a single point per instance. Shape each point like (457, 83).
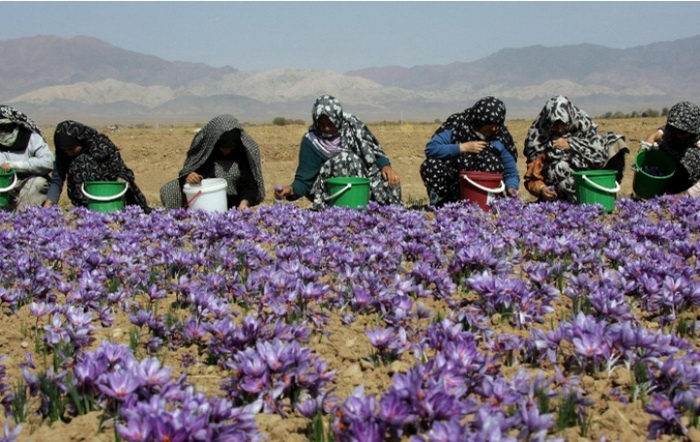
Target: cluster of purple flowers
(248, 292)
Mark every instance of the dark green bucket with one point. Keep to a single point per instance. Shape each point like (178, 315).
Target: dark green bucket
(646, 185)
(352, 192)
(105, 196)
(8, 181)
(597, 187)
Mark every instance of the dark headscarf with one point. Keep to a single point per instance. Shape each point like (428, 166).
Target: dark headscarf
(228, 128)
(683, 116)
(104, 163)
(355, 136)
(465, 125)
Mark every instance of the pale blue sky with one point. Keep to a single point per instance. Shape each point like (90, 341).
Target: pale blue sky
(343, 36)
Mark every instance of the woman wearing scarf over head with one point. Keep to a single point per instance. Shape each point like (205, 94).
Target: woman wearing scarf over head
(24, 150)
(562, 140)
(680, 138)
(82, 155)
(337, 144)
(473, 140)
(222, 149)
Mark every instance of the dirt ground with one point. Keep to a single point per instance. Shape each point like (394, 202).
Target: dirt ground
(156, 154)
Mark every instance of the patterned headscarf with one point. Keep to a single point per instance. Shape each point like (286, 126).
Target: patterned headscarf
(24, 128)
(583, 134)
(355, 136)
(105, 162)
(17, 117)
(204, 142)
(465, 125)
(683, 116)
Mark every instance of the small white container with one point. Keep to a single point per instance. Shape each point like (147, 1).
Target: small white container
(209, 195)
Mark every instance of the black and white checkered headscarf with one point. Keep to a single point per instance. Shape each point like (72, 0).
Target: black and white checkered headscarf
(354, 134)
(465, 125)
(19, 118)
(22, 127)
(582, 135)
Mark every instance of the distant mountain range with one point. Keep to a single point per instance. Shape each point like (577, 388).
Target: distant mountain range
(54, 78)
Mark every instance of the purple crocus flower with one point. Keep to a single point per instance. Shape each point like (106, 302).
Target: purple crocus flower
(41, 309)
(442, 431)
(497, 393)
(668, 422)
(152, 373)
(119, 384)
(10, 435)
(380, 338)
(141, 317)
(55, 332)
(135, 430)
(534, 425)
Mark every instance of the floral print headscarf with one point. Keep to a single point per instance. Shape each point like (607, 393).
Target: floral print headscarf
(465, 125)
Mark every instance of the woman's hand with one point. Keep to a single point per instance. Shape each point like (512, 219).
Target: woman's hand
(390, 175)
(653, 138)
(47, 203)
(193, 178)
(282, 192)
(472, 146)
(548, 193)
(512, 192)
(562, 143)
(243, 205)
(6, 167)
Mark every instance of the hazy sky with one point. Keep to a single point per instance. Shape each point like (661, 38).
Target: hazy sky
(343, 36)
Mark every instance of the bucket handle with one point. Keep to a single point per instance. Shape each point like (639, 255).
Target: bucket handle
(338, 193)
(601, 188)
(194, 197)
(10, 187)
(485, 189)
(104, 198)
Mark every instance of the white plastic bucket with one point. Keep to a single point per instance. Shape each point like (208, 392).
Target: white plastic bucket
(209, 195)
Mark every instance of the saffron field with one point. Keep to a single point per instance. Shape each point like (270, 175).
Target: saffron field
(530, 322)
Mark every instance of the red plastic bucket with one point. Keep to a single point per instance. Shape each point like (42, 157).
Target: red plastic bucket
(481, 187)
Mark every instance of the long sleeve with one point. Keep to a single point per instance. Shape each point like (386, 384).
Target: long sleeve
(58, 177)
(441, 146)
(533, 179)
(248, 187)
(510, 167)
(310, 163)
(36, 159)
(382, 161)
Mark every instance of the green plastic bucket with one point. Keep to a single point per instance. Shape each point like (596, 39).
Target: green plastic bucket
(352, 192)
(647, 185)
(8, 181)
(597, 187)
(105, 196)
